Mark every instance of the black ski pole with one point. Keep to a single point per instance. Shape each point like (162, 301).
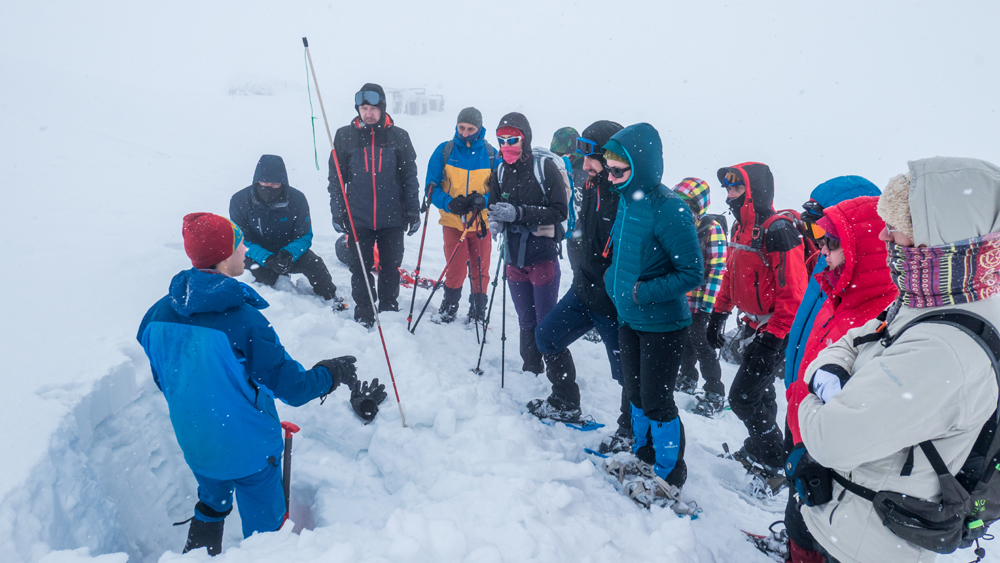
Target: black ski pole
(286, 466)
(354, 235)
(479, 280)
(426, 209)
(489, 309)
(503, 322)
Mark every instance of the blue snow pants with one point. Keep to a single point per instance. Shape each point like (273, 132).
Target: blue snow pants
(260, 498)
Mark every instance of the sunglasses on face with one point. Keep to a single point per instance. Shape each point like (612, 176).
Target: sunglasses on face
(832, 244)
(367, 97)
(586, 147)
(509, 141)
(890, 229)
(616, 172)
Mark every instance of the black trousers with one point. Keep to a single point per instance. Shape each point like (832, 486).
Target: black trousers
(309, 264)
(390, 256)
(698, 350)
(649, 366)
(753, 400)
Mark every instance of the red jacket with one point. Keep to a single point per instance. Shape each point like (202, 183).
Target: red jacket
(771, 279)
(864, 289)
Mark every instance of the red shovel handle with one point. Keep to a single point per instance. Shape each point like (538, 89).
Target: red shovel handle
(289, 428)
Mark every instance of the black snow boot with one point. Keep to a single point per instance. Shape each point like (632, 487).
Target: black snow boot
(449, 307)
(530, 354)
(561, 372)
(205, 534)
(477, 308)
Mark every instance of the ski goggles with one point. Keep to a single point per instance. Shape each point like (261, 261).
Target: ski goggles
(812, 211)
(367, 97)
(509, 140)
(831, 243)
(616, 172)
(814, 231)
(586, 147)
(732, 179)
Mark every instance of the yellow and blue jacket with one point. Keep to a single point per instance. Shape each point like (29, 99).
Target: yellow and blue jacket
(466, 172)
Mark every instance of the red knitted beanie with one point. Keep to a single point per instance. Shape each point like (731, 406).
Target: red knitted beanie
(209, 239)
(508, 130)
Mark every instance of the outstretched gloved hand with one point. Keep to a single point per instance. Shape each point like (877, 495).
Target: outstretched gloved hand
(342, 369)
(366, 398)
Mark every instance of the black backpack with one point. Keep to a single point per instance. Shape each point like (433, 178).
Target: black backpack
(970, 500)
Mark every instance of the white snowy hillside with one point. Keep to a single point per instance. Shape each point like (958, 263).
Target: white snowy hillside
(118, 118)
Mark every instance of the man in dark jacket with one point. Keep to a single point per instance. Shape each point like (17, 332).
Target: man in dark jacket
(586, 305)
(378, 171)
(275, 219)
(220, 366)
(530, 205)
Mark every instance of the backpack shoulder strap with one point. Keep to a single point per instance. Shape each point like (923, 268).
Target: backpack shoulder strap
(491, 152)
(445, 155)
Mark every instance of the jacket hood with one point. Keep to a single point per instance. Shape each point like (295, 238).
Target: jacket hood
(196, 291)
(641, 144)
(515, 119)
(760, 186)
(865, 274)
(381, 94)
(695, 192)
(271, 169)
(843, 188)
(953, 199)
(475, 139)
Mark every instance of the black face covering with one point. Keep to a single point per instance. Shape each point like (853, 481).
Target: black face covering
(268, 195)
(737, 203)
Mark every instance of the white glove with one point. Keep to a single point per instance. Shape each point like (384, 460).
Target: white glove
(825, 385)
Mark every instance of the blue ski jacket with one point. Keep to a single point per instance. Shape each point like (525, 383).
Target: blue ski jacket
(657, 258)
(467, 171)
(220, 365)
(827, 194)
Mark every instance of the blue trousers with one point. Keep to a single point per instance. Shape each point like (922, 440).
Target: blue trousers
(565, 324)
(260, 498)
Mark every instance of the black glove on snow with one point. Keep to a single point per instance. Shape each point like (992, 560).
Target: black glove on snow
(477, 202)
(716, 329)
(459, 205)
(366, 398)
(413, 225)
(762, 355)
(343, 371)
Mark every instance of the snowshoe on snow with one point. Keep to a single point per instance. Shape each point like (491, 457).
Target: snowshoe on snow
(477, 308)
(774, 545)
(709, 404)
(764, 482)
(338, 304)
(593, 336)
(638, 481)
(571, 417)
(449, 307)
(685, 385)
(615, 443)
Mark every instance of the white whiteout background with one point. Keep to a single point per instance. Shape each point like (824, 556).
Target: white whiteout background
(117, 118)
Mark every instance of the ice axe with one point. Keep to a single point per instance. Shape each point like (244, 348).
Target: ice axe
(286, 469)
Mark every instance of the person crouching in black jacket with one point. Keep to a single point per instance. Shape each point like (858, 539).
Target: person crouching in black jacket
(275, 221)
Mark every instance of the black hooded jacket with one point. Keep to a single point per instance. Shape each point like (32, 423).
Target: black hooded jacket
(272, 218)
(521, 188)
(379, 171)
(591, 253)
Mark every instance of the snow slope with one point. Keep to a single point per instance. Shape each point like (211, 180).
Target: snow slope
(118, 118)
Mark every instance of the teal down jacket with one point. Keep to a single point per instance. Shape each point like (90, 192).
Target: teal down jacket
(655, 240)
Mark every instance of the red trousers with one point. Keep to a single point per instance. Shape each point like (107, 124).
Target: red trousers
(467, 260)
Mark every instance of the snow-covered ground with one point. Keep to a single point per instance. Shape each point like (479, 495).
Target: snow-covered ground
(117, 118)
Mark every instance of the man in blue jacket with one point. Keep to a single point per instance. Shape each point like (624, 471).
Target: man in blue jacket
(220, 366)
(275, 219)
(657, 260)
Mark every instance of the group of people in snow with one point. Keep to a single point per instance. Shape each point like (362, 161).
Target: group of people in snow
(834, 299)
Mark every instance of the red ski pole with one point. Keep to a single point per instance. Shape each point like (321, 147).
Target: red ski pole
(438, 282)
(286, 466)
(354, 233)
(416, 273)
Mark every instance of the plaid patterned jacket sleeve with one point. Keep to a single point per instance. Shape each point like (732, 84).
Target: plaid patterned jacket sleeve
(703, 298)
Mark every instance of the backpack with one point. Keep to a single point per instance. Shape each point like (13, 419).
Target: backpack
(540, 156)
(576, 201)
(760, 234)
(970, 500)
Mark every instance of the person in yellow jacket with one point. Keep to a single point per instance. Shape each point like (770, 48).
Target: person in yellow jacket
(458, 178)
